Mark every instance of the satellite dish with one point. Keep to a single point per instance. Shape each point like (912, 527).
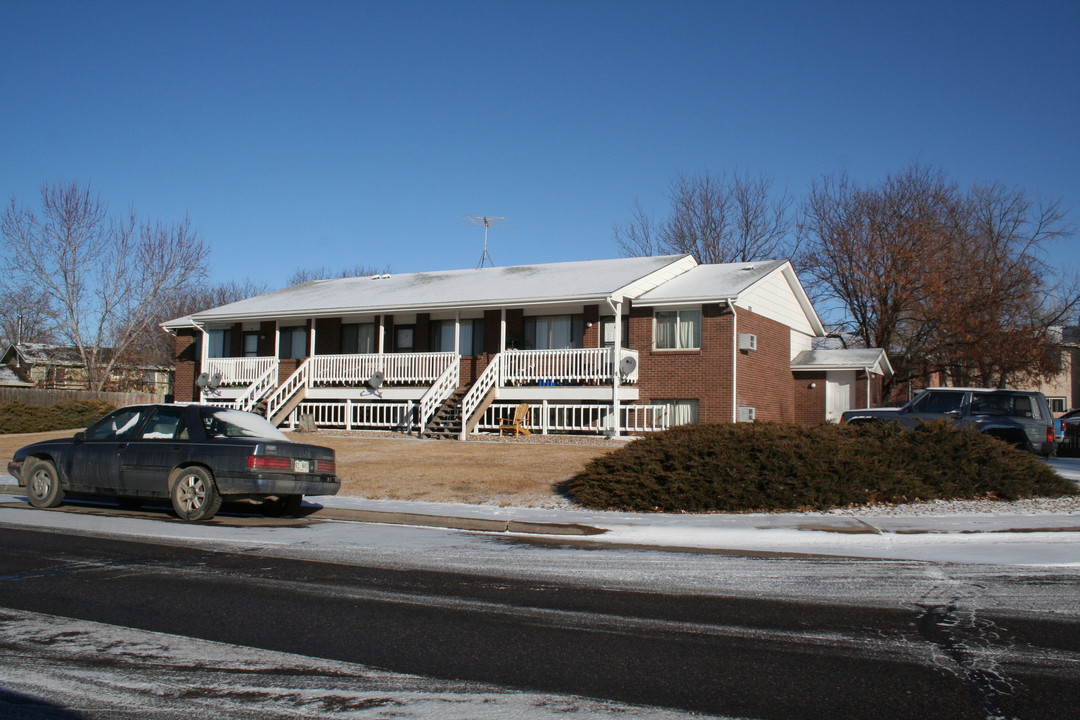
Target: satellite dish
(203, 380)
(628, 365)
(376, 380)
(215, 381)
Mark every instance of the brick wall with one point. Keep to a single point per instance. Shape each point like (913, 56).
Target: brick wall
(809, 401)
(764, 375)
(703, 375)
(187, 365)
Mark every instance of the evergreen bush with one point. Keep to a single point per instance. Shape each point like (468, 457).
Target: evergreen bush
(20, 417)
(744, 467)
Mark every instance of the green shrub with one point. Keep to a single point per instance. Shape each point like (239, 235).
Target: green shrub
(766, 466)
(19, 417)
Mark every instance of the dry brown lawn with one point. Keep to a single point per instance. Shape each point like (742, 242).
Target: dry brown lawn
(495, 472)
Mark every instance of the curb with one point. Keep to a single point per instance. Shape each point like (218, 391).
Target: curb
(449, 522)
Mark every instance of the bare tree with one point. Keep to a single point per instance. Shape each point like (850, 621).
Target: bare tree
(717, 219)
(949, 282)
(24, 315)
(299, 277)
(105, 278)
(154, 346)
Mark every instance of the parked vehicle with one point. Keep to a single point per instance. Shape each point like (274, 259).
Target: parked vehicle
(1016, 416)
(195, 455)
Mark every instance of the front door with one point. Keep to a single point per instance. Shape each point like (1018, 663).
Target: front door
(95, 464)
(839, 393)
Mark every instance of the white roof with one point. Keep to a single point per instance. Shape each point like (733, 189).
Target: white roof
(707, 283)
(730, 281)
(855, 359)
(482, 288)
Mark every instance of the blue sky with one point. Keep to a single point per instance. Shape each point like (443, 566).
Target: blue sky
(311, 134)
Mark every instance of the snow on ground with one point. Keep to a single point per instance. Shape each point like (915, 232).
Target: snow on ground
(107, 671)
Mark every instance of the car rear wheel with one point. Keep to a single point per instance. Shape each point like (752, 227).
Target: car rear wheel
(284, 506)
(194, 495)
(43, 488)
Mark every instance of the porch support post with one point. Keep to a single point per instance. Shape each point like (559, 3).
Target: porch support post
(502, 347)
(457, 332)
(616, 353)
(311, 339)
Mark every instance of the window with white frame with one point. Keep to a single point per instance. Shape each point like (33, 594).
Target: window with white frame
(472, 336)
(292, 344)
(1058, 405)
(219, 343)
(607, 331)
(678, 330)
(251, 343)
(555, 332)
(680, 412)
(357, 338)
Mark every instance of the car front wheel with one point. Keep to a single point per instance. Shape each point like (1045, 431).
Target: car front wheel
(194, 495)
(43, 488)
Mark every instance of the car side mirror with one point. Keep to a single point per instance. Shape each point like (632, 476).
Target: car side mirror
(80, 437)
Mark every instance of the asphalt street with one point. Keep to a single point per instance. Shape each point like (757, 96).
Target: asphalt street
(741, 657)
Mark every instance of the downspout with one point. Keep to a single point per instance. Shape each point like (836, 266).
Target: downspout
(616, 351)
(734, 362)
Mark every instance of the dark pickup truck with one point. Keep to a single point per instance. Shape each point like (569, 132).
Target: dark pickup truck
(1016, 416)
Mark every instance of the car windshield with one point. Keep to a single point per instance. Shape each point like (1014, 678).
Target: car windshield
(236, 423)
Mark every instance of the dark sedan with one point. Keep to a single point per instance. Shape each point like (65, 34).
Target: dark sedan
(196, 455)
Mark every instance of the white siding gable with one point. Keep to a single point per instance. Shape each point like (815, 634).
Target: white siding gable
(774, 298)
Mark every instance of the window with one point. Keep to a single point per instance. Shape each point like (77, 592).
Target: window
(680, 412)
(166, 424)
(608, 331)
(358, 338)
(1000, 404)
(1058, 405)
(251, 344)
(472, 336)
(220, 343)
(121, 425)
(678, 330)
(293, 343)
(938, 403)
(404, 338)
(554, 332)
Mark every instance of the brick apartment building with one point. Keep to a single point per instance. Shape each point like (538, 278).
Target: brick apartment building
(608, 346)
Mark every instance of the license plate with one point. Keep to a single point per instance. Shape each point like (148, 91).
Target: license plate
(301, 466)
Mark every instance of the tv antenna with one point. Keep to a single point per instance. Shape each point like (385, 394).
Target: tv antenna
(487, 221)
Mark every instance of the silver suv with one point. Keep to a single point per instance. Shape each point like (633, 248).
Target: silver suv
(1016, 416)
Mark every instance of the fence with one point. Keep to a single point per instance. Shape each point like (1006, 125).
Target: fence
(48, 398)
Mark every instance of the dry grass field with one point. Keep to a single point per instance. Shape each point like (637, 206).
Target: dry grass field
(491, 471)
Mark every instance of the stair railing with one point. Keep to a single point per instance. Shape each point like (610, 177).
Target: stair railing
(287, 389)
(257, 389)
(487, 380)
(437, 394)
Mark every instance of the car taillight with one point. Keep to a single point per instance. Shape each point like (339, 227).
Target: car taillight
(1050, 436)
(269, 462)
(326, 467)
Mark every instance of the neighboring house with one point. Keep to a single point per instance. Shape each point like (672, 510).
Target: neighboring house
(611, 346)
(1062, 391)
(61, 367)
(13, 377)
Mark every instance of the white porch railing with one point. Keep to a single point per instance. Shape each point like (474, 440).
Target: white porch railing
(546, 417)
(350, 415)
(528, 367)
(240, 371)
(396, 368)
